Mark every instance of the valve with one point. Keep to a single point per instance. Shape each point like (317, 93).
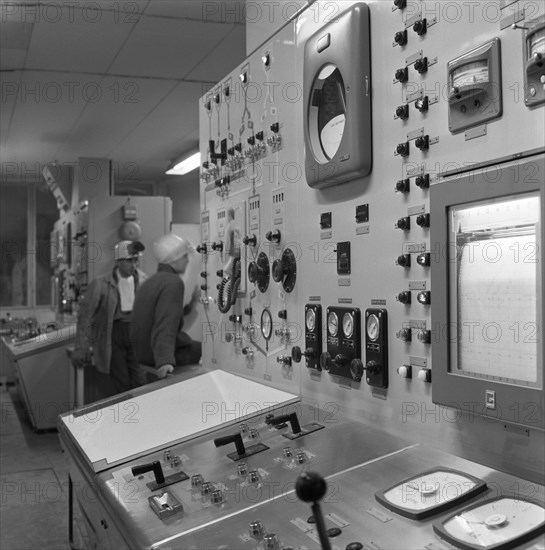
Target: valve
(297, 354)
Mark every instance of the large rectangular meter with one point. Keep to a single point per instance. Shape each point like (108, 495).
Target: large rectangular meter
(487, 284)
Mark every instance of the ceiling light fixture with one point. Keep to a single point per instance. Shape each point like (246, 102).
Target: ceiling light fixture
(186, 165)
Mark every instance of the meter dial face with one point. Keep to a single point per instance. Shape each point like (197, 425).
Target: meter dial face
(348, 325)
(332, 324)
(328, 98)
(310, 319)
(266, 324)
(499, 523)
(373, 327)
(470, 73)
(430, 493)
(536, 43)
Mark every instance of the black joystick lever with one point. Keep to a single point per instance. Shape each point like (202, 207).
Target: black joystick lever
(152, 466)
(234, 438)
(311, 487)
(241, 452)
(291, 418)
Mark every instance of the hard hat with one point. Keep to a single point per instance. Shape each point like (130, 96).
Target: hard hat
(170, 247)
(127, 250)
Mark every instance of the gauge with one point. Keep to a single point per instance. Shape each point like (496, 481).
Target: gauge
(499, 524)
(310, 319)
(266, 324)
(470, 73)
(348, 324)
(429, 493)
(373, 327)
(536, 43)
(332, 324)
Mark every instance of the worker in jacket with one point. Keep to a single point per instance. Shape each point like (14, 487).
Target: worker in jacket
(158, 314)
(102, 336)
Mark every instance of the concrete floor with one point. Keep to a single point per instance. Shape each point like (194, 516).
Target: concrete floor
(34, 481)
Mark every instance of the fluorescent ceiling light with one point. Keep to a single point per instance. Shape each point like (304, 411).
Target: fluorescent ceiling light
(186, 165)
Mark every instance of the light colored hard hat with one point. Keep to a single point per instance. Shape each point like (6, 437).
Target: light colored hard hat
(170, 247)
(126, 250)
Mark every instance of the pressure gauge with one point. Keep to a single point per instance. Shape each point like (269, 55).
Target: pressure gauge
(348, 325)
(332, 324)
(373, 327)
(266, 324)
(499, 524)
(431, 492)
(310, 319)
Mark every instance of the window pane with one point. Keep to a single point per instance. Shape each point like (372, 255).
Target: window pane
(46, 215)
(13, 236)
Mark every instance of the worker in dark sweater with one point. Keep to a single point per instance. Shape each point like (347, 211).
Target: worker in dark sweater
(158, 312)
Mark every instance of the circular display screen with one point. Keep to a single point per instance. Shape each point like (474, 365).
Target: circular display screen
(327, 113)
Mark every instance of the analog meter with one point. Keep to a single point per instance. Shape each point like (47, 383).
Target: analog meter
(430, 493)
(500, 524)
(332, 324)
(348, 325)
(310, 319)
(533, 48)
(373, 327)
(475, 93)
(266, 324)
(337, 100)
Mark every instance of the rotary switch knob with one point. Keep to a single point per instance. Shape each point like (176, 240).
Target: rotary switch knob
(402, 112)
(273, 236)
(356, 369)
(402, 74)
(421, 65)
(297, 354)
(326, 361)
(253, 272)
(372, 367)
(403, 149)
(422, 143)
(400, 37)
(250, 240)
(278, 271)
(420, 27)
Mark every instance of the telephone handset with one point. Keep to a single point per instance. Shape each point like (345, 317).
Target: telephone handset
(227, 293)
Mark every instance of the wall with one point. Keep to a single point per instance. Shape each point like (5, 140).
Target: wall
(184, 192)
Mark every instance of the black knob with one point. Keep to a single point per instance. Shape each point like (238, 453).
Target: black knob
(253, 272)
(402, 186)
(250, 240)
(400, 4)
(372, 367)
(273, 236)
(402, 75)
(404, 223)
(251, 140)
(404, 260)
(423, 181)
(400, 37)
(217, 246)
(340, 360)
(202, 248)
(275, 127)
(420, 27)
(259, 135)
(204, 287)
(402, 112)
(208, 105)
(404, 297)
(423, 220)
(405, 334)
(296, 354)
(238, 147)
(422, 104)
(235, 318)
(403, 149)
(423, 259)
(424, 336)
(283, 314)
(248, 311)
(421, 65)
(422, 142)
(219, 272)
(356, 369)
(325, 360)
(310, 487)
(204, 274)
(424, 297)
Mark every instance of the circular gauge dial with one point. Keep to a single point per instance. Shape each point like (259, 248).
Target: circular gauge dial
(499, 523)
(310, 319)
(348, 325)
(266, 324)
(332, 324)
(430, 492)
(373, 327)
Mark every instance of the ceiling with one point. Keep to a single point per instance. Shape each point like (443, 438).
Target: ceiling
(110, 79)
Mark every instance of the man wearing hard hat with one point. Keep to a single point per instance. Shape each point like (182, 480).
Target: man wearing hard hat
(158, 313)
(102, 336)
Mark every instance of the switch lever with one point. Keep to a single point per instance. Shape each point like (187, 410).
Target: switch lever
(291, 418)
(234, 438)
(154, 466)
(311, 487)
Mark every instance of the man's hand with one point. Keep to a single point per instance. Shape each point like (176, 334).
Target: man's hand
(81, 358)
(164, 370)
